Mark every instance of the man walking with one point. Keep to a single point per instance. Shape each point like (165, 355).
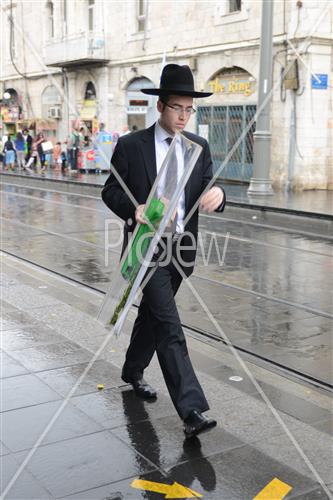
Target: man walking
(137, 159)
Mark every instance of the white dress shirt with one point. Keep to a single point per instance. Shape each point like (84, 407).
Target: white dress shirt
(161, 149)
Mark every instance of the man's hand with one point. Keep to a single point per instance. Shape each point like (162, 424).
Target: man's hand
(139, 214)
(212, 199)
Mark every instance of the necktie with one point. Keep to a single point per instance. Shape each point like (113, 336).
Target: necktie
(172, 178)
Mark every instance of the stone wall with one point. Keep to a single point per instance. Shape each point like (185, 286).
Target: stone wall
(199, 33)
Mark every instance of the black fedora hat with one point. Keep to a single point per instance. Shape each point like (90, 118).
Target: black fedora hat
(177, 80)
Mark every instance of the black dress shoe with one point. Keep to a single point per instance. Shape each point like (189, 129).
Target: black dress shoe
(143, 390)
(196, 423)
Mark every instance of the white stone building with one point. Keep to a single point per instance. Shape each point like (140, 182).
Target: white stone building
(64, 59)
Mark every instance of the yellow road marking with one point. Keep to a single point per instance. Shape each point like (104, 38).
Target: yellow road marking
(174, 490)
(275, 490)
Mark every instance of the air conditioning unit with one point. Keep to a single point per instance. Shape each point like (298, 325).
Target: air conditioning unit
(54, 112)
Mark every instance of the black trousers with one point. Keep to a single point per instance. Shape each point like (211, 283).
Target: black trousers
(158, 328)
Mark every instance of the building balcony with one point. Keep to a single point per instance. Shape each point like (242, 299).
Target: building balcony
(84, 49)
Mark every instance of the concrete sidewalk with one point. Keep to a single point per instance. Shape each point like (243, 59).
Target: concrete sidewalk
(316, 202)
(107, 444)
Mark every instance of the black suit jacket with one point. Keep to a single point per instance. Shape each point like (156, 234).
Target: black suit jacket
(135, 160)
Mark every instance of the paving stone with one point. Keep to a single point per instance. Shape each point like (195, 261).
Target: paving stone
(65, 320)
(281, 448)
(213, 477)
(48, 356)
(317, 493)
(62, 380)
(24, 390)
(324, 426)
(152, 438)
(6, 279)
(119, 490)
(14, 340)
(320, 454)
(297, 407)
(10, 367)
(6, 306)
(26, 487)
(16, 319)
(92, 460)
(116, 407)
(246, 418)
(21, 296)
(22, 428)
(3, 449)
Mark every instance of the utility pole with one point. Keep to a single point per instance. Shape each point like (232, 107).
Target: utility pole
(260, 183)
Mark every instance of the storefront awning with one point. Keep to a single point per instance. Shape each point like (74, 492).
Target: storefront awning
(40, 124)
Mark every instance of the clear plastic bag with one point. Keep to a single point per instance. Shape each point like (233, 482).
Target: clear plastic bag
(160, 210)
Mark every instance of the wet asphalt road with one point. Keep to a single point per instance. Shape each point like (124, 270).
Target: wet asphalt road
(272, 297)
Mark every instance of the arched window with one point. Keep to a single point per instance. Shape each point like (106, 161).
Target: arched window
(11, 97)
(50, 19)
(140, 83)
(50, 98)
(140, 107)
(90, 92)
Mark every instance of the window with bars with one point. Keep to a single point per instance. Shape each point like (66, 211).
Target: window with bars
(229, 129)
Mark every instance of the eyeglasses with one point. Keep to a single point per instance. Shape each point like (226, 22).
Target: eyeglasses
(179, 109)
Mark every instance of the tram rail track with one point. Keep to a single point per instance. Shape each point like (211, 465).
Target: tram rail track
(217, 340)
(220, 219)
(197, 276)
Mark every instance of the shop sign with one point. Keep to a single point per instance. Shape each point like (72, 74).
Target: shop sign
(10, 114)
(233, 85)
(137, 110)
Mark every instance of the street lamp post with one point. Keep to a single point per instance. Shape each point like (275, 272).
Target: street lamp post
(260, 183)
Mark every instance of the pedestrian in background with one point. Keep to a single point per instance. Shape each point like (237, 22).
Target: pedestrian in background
(2, 157)
(76, 140)
(20, 147)
(9, 150)
(33, 155)
(28, 143)
(57, 156)
(48, 160)
(39, 140)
